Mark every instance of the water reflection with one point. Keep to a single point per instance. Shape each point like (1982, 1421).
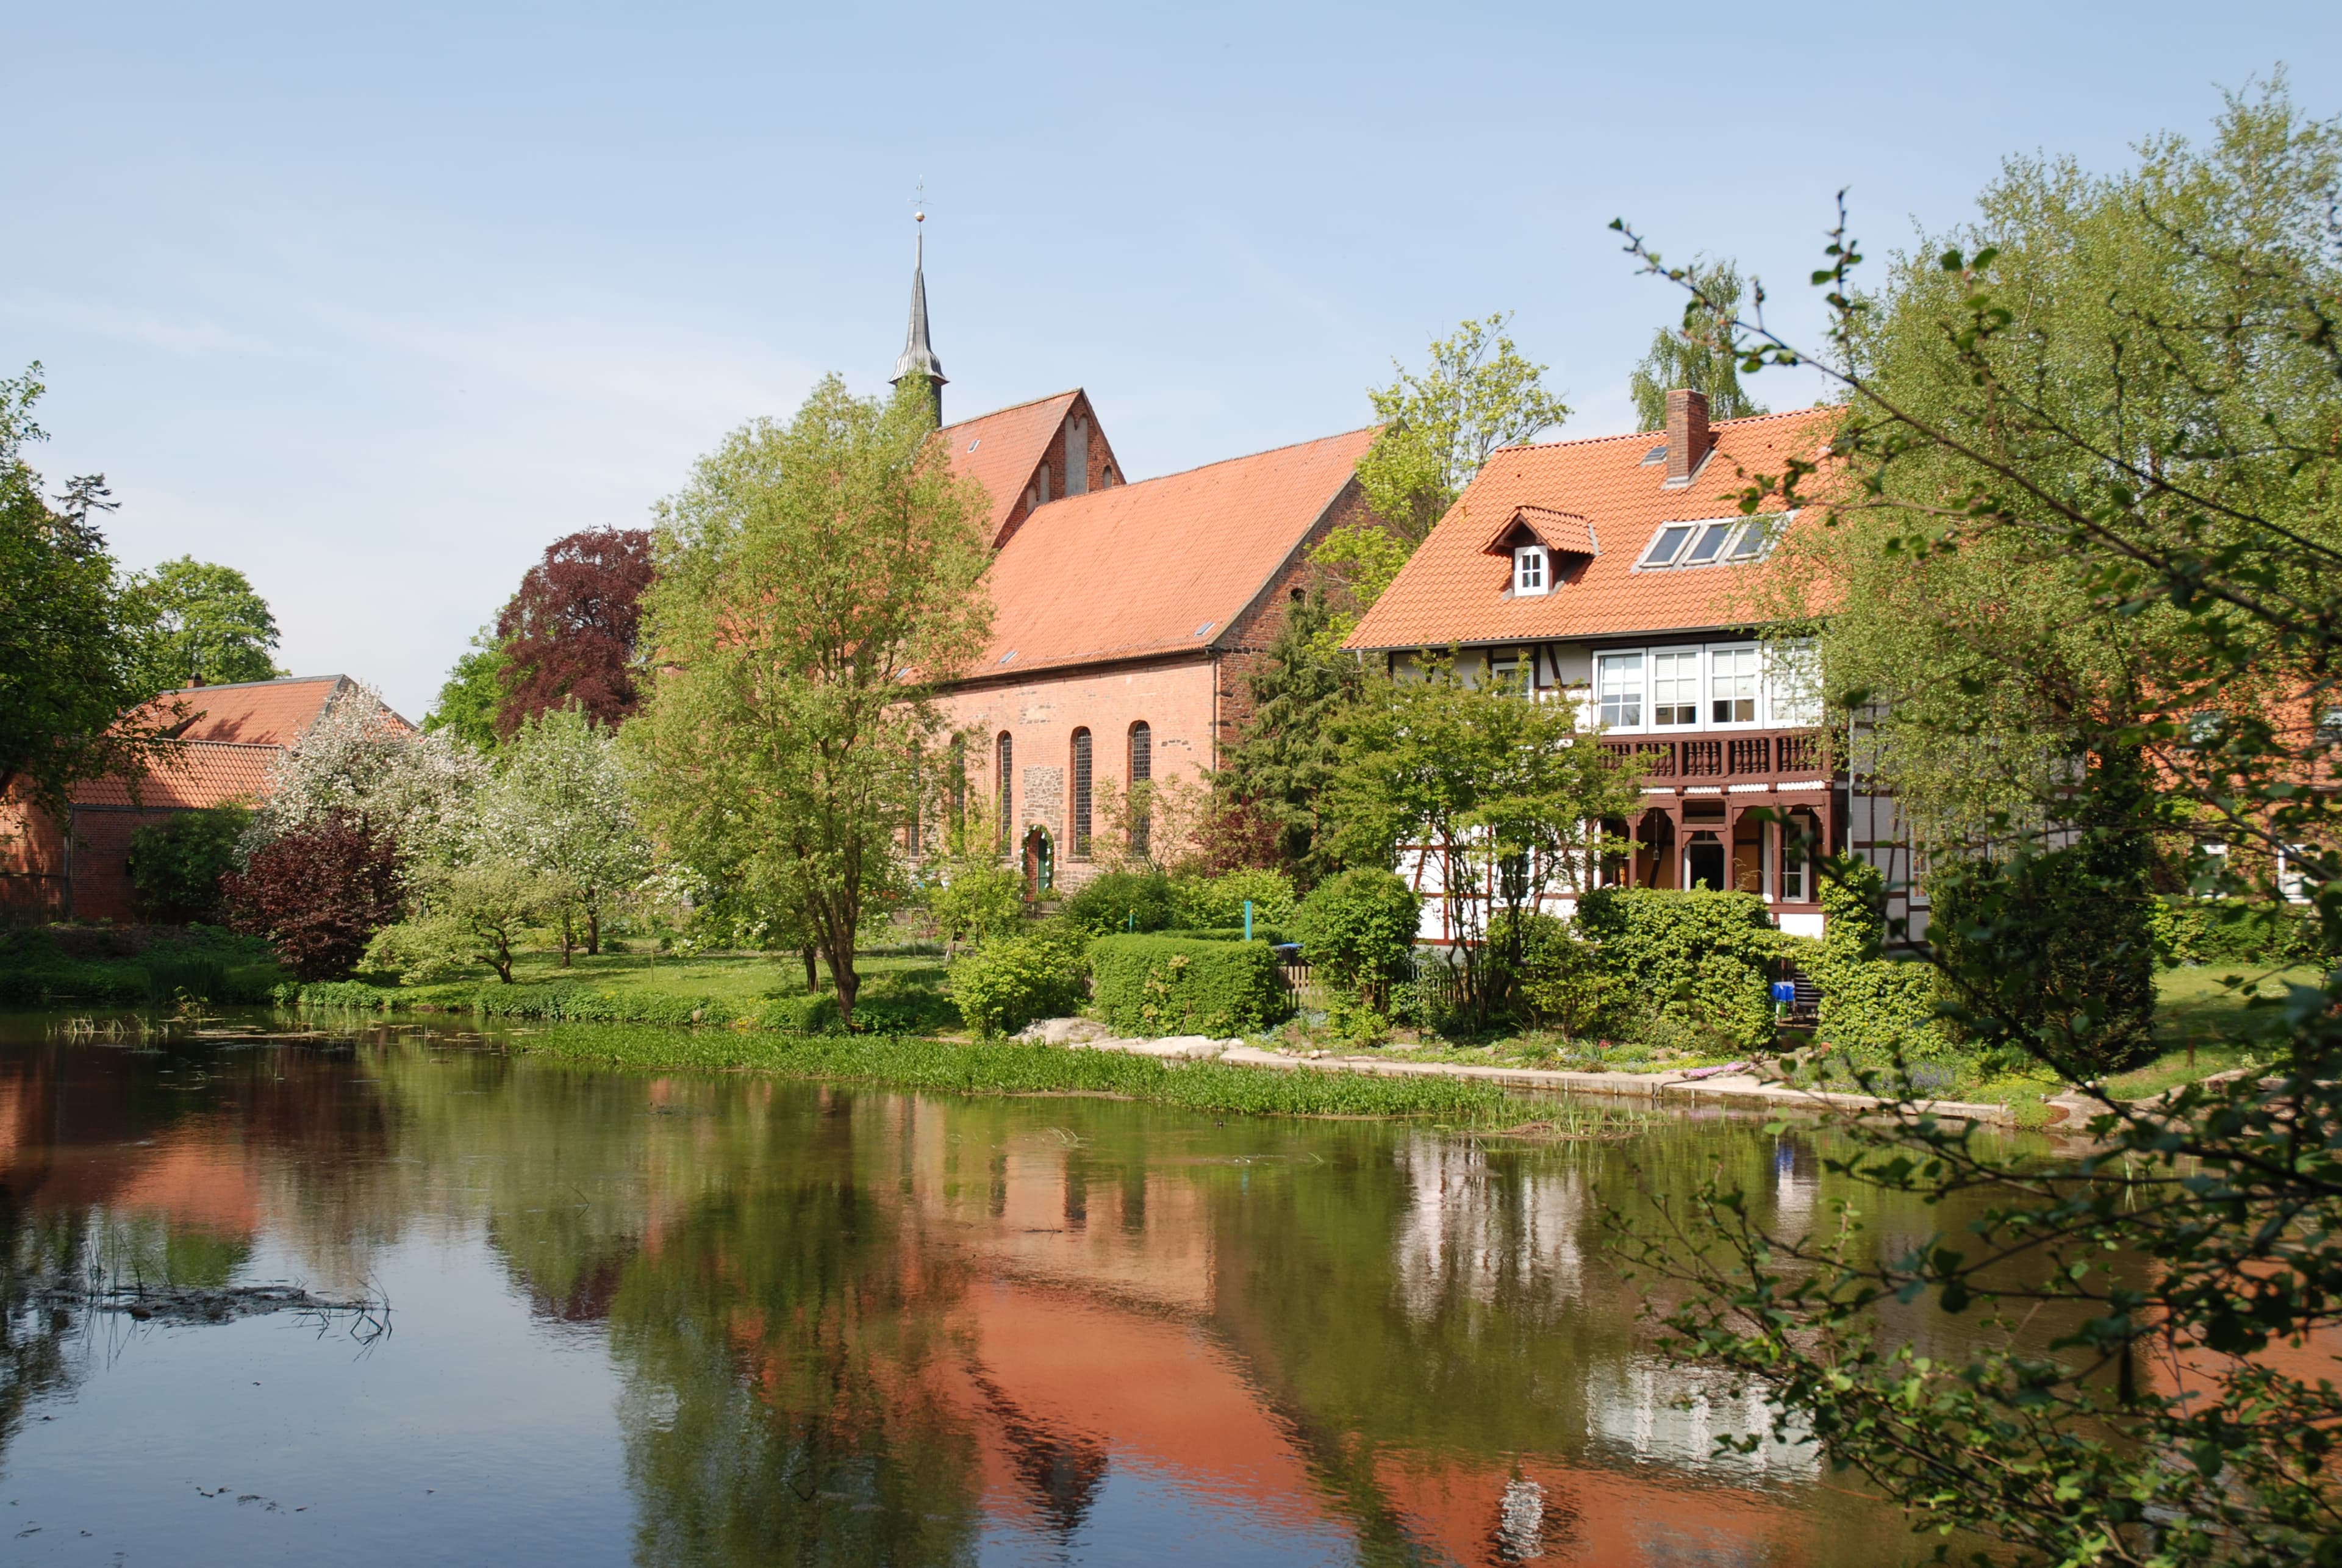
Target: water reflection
(849, 1326)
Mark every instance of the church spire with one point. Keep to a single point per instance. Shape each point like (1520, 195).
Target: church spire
(918, 357)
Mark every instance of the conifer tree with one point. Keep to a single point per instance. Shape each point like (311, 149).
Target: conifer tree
(1286, 754)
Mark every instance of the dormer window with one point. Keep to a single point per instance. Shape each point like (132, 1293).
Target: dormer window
(1530, 571)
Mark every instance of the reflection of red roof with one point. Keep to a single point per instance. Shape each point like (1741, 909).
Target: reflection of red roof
(1454, 591)
(190, 774)
(1162, 566)
(1001, 449)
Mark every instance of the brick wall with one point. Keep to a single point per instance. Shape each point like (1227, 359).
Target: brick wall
(1172, 697)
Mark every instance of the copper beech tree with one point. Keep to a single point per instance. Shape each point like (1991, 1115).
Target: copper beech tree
(569, 634)
(815, 580)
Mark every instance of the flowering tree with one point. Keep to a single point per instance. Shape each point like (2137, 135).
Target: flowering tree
(360, 761)
(568, 635)
(319, 893)
(559, 806)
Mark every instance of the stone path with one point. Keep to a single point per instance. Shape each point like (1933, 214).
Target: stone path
(1727, 1088)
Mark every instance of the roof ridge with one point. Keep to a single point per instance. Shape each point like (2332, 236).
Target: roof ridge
(1011, 408)
(1714, 425)
(246, 685)
(1217, 463)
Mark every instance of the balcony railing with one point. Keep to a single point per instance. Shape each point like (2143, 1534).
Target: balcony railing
(1723, 759)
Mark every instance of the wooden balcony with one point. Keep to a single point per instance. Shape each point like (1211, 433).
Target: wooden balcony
(1741, 757)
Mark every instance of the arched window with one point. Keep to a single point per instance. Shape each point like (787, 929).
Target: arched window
(1006, 799)
(1081, 760)
(957, 784)
(1142, 770)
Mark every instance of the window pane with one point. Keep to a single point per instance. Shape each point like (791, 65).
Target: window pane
(1710, 543)
(1732, 677)
(1748, 542)
(1663, 548)
(1674, 688)
(1620, 687)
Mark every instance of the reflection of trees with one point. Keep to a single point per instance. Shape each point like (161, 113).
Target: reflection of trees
(35, 1338)
(787, 1353)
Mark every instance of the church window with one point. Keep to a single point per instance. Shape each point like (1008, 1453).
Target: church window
(1142, 772)
(957, 784)
(1007, 797)
(1081, 825)
(1078, 456)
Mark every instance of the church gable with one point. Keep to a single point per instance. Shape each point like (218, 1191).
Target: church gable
(1031, 455)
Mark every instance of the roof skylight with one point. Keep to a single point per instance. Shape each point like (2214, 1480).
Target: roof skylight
(1706, 542)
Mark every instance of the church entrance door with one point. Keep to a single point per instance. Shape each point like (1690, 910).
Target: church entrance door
(1040, 864)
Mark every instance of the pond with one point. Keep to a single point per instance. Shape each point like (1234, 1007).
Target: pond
(580, 1316)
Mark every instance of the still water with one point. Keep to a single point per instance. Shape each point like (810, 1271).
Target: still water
(703, 1319)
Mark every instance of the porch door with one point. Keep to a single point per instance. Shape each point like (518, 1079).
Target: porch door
(1704, 862)
(1040, 864)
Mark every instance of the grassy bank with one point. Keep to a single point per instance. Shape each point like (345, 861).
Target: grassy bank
(1008, 1068)
(134, 966)
(899, 995)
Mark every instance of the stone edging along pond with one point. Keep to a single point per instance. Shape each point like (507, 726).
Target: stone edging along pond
(1742, 1089)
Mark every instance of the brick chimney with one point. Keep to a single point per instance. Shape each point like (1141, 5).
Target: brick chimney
(1687, 436)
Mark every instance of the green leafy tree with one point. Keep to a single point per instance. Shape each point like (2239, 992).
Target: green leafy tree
(1699, 355)
(2117, 397)
(815, 580)
(1286, 752)
(176, 865)
(1504, 793)
(1358, 928)
(72, 638)
(472, 694)
(559, 805)
(207, 623)
(477, 913)
(1477, 393)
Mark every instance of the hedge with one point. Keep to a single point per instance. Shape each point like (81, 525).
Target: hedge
(1875, 1009)
(1180, 985)
(2210, 930)
(1692, 969)
(1272, 934)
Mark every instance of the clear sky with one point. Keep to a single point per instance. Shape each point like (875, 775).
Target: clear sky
(374, 303)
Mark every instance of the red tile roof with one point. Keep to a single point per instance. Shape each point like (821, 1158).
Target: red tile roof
(189, 774)
(1001, 449)
(255, 713)
(1454, 591)
(1162, 566)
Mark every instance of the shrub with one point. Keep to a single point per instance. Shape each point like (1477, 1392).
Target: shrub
(2054, 952)
(1693, 970)
(176, 865)
(980, 900)
(1558, 980)
(1358, 928)
(1215, 902)
(1175, 986)
(1006, 984)
(1122, 901)
(187, 976)
(318, 893)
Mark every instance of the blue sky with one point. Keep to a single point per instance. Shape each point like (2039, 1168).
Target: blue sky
(374, 303)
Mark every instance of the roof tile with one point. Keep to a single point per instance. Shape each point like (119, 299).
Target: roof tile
(1160, 565)
(1452, 591)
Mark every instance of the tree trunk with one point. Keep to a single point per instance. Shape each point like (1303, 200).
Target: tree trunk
(813, 971)
(593, 931)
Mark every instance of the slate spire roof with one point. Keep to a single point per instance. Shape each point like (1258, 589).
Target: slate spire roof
(919, 355)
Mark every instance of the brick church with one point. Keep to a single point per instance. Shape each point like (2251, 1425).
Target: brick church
(1127, 614)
